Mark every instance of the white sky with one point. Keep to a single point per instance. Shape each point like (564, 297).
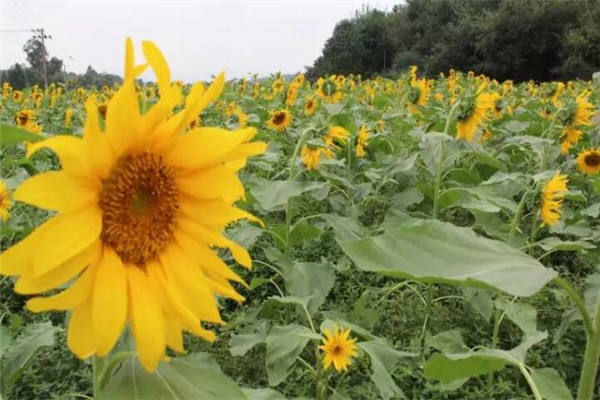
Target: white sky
(198, 38)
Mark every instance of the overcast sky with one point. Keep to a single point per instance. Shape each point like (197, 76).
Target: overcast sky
(198, 38)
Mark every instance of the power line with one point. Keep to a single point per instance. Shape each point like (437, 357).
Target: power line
(16, 30)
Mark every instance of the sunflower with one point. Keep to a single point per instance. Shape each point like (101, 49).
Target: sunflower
(5, 203)
(139, 208)
(279, 120)
(552, 198)
(292, 94)
(17, 96)
(311, 158)
(329, 90)
(474, 113)
(588, 161)
(339, 349)
(335, 134)
(362, 141)
(68, 117)
(102, 105)
(579, 114)
(25, 117)
(310, 105)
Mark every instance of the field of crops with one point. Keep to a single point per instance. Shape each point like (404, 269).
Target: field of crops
(277, 238)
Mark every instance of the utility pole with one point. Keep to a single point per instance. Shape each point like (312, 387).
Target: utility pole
(39, 34)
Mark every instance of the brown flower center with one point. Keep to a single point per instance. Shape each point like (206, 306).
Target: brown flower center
(102, 110)
(337, 350)
(22, 119)
(278, 118)
(592, 160)
(139, 203)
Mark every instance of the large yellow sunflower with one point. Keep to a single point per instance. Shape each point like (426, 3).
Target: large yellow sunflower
(139, 208)
(579, 116)
(310, 105)
(552, 197)
(279, 120)
(311, 158)
(339, 349)
(588, 161)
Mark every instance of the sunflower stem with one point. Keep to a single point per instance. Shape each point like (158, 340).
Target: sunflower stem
(591, 359)
(517, 217)
(288, 208)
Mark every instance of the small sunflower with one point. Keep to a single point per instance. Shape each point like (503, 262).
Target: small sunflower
(579, 114)
(311, 158)
(5, 203)
(140, 207)
(17, 96)
(474, 113)
(310, 105)
(68, 117)
(292, 94)
(280, 120)
(339, 349)
(588, 161)
(329, 90)
(24, 117)
(362, 141)
(552, 197)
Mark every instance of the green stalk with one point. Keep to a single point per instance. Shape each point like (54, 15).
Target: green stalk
(587, 320)
(288, 208)
(515, 222)
(590, 360)
(531, 382)
(496, 331)
(440, 167)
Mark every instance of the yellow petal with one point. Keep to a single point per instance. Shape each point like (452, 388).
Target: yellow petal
(110, 302)
(70, 235)
(173, 337)
(214, 212)
(218, 182)
(100, 156)
(80, 338)
(61, 274)
(69, 298)
(191, 284)
(147, 319)
(159, 65)
(123, 121)
(54, 190)
(70, 151)
(206, 146)
(18, 259)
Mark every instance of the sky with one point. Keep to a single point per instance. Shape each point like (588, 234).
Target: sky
(198, 38)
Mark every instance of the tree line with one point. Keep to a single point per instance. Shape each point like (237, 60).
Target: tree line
(21, 76)
(506, 39)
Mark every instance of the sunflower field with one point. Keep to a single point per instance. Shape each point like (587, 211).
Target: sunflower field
(276, 238)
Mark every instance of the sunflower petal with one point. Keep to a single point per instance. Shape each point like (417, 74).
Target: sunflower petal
(109, 311)
(80, 338)
(147, 319)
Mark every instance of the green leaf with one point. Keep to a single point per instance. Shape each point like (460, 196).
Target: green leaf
(262, 394)
(450, 367)
(272, 194)
(303, 231)
(448, 342)
(346, 228)
(523, 315)
(10, 134)
(554, 243)
(284, 345)
(550, 384)
(241, 343)
(383, 359)
(432, 251)
(481, 301)
(407, 198)
(311, 281)
(591, 293)
(196, 376)
(5, 339)
(23, 348)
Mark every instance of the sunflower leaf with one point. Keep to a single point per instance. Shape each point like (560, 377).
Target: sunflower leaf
(10, 134)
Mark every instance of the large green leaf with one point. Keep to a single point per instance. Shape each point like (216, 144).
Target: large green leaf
(272, 194)
(263, 394)
(433, 251)
(284, 345)
(550, 384)
(10, 134)
(196, 376)
(383, 359)
(23, 348)
(311, 281)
